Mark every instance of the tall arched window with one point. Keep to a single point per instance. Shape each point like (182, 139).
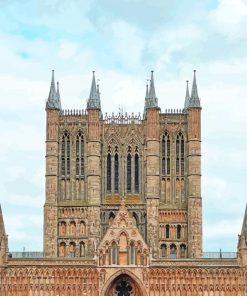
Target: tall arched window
(116, 173)
(179, 232)
(173, 251)
(72, 249)
(132, 253)
(136, 173)
(65, 155)
(108, 173)
(163, 250)
(167, 231)
(79, 155)
(166, 154)
(82, 249)
(180, 155)
(183, 251)
(114, 253)
(129, 172)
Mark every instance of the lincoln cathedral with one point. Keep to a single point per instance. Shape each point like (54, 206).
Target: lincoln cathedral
(123, 207)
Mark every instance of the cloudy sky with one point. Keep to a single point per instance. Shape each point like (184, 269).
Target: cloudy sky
(122, 41)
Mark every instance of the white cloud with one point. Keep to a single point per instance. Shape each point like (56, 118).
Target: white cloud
(229, 18)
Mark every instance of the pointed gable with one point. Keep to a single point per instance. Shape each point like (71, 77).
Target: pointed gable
(123, 243)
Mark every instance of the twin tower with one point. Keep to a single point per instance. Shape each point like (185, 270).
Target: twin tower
(152, 165)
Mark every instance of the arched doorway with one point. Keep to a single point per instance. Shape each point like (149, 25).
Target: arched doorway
(123, 285)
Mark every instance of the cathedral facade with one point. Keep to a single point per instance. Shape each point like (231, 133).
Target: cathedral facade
(123, 208)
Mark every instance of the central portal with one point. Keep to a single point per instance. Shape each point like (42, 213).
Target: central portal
(123, 285)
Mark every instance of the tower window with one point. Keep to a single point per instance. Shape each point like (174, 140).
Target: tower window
(173, 251)
(167, 231)
(180, 154)
(163, 250)
(116, 173)
(165, 153)
(65, 155)
(136, 173)
(179, 232)
(79, 155)
(129, 173)
(108, 169)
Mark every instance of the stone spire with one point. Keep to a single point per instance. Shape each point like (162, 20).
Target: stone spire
(146, 101)
(187, 96)
(58, 96)
(194, 99)
(53, 101)
(152, 99)
(2, 228)
(94, 97)
(243, 236)
(242, 241)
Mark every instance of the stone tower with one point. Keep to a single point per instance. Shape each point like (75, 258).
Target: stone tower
(95, 162)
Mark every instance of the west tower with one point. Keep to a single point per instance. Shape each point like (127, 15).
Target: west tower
(94, 162)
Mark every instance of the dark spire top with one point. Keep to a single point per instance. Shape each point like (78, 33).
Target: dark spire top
(53, 102)
(146, 101)
(58, 96)
(187, 95)
(243, 237)
(194, 100)
(94, 97)
(151, 101)
(2, 228)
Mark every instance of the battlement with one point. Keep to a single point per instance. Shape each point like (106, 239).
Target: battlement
(174, 111)
(73, 112)
(122, 118)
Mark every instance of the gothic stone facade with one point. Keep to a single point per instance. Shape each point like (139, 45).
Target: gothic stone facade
(123, 209)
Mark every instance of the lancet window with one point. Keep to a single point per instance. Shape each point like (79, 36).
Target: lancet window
(166, 154)
(163, 250)
(179, 232)
(136, 173)
(116, 172)
(180, 155)
(65, 155)
(173, 251)
(167, 231)
(79, 154)
(114, 253)
(129, 170)
(108, 171)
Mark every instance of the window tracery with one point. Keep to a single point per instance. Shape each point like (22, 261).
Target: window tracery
(79, 154)
(166, 154)
(65, 155)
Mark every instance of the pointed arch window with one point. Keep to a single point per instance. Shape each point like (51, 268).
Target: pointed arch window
(65, 155)
(173, 251)
(179, 232)
(114, 253)
(163, 250)
(108, 173)
(136, 173)
(116, 173)
(129, 171)
(166, 154)
(167, 231)
(180, 154)
(79, 154)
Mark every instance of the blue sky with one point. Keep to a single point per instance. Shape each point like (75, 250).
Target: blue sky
(122, 41)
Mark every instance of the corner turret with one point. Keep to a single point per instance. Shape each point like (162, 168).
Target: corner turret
(53, 101)
(94, 97)
(242, 242)
(3, 241)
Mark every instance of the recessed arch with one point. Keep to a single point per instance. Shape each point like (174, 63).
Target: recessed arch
(124, 275)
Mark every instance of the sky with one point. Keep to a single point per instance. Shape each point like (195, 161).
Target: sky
(123, 41)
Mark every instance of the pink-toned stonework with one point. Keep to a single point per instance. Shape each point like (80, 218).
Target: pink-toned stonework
(123, 208)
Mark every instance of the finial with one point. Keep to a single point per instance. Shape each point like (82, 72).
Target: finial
(194, 100)
(153, 100)
(187, 96)
(53, 101)
(94, 97)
